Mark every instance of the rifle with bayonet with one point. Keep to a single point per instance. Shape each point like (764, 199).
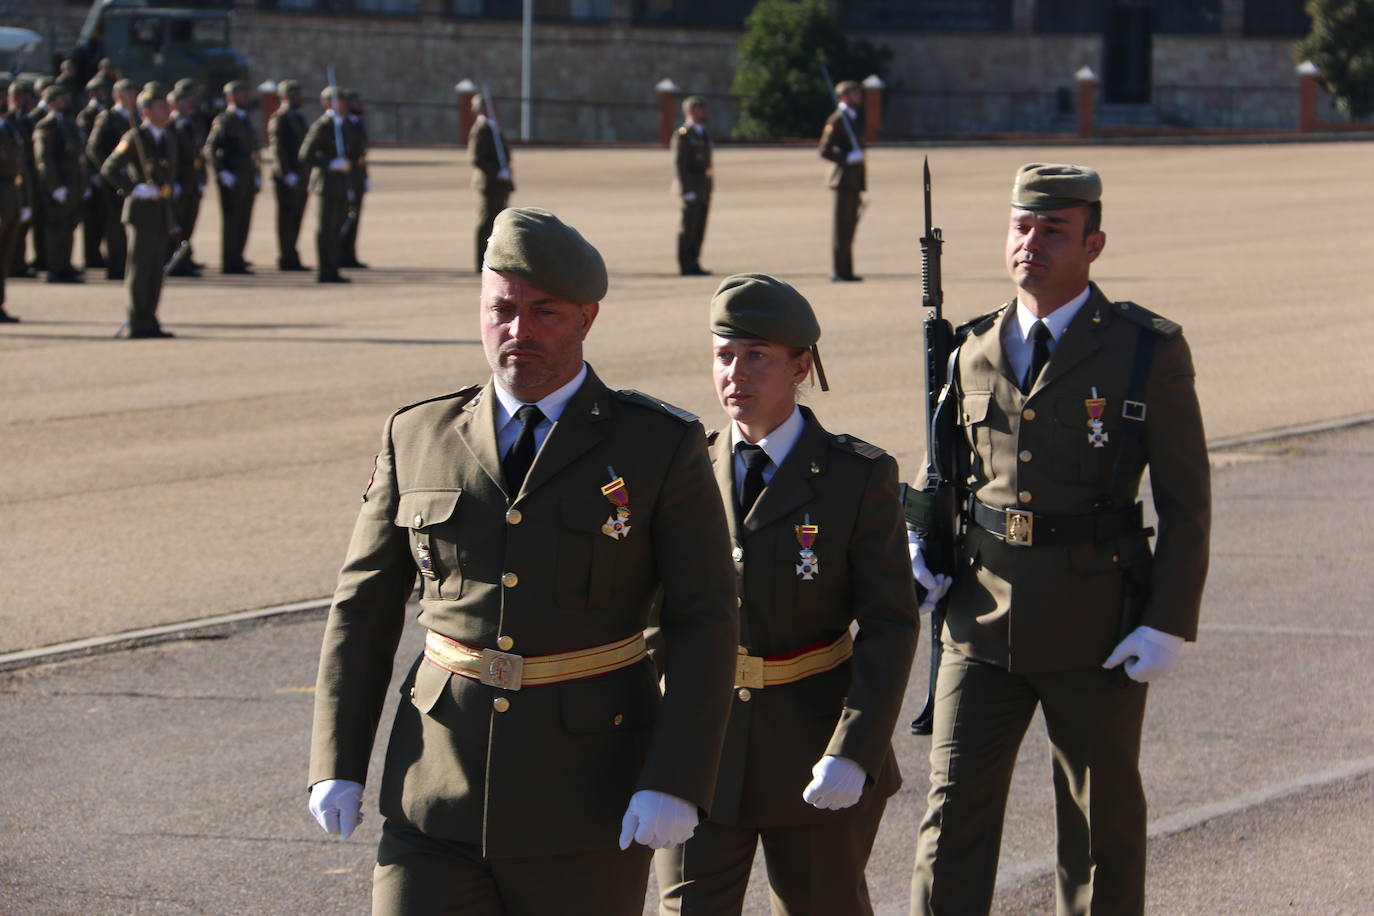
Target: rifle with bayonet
(933, 511)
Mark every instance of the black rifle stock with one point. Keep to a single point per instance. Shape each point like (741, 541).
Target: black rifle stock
(940, 518)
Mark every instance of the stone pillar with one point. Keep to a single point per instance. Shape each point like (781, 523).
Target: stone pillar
(1307, 97)
(667, 109)
(1087, 100)
(270, 101)
(466, 90)
(873, 107)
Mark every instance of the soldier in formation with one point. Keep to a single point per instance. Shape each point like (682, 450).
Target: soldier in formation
(492, 178)
(231, 149)
(106, 131)
(61, 181)
(842, 144)
(359, 182)
(99, 97)
(191, 129)
(14, 193)
(330, 182)
(691, 148)
(286, 131)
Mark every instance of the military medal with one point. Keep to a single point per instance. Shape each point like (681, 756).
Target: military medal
(425, 561)
(810, 565)
(1097, 435)
(618, 525)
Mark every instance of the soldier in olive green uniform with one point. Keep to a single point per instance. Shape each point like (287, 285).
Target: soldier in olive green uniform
(491, 172)
(1061, 399)
(819, 545)
(142, 170)
(98, 90)
(360, 185)
(20, 98)
(691, 147)
(532, 739)
(329, 182)
(844, 146)
(61, 179)
(290, 177)
(14, 205)
(232, 151)
(190, 133)
(106, 131)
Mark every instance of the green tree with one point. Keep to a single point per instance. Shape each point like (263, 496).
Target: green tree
(1341, 44)
(778, 78)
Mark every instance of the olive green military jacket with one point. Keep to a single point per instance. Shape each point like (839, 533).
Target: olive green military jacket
(848, 489)
(138, 157)
(486, 164)
(232, 145)
(57, 154)
(190, 163)
(13, 153)
(319, 147)
(692, 161)
(554, 772)
(835, 146)
(285, 132)
(1051, 607)
(107, 129)
(355, 139)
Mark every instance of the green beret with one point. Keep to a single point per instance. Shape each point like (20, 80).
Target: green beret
(1041, 186)
(125, 84)
(327, 93)
(185, 84)
(546, 253)
(176, 95)
(844, 86)
(42, 83)
(763, 307)
(151, 93)
(692, 101)
(235, 86)
(53, 90)
(96, 83)
(20, 86)
(286, 86)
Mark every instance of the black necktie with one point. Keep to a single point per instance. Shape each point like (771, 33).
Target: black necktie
(521, 454)
(1040, 354)
(755, 460)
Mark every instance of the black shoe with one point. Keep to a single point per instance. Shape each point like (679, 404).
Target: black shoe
(154, 334)
(7, 318)
(332, 278)
(114, 275)
(22, 273)
(845, 278)
(196, 264)
(95, 264)
(65, 276)
(236, 269)
(356, 265)
(291, 265)
(184, 270)
(695, 272)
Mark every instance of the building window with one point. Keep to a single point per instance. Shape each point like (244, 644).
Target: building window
(387, 7)
(555, 10)
(1186, 17)
(726, 14)
(1281, 18)
(364, 7)
(930, 15)
(1166, 17)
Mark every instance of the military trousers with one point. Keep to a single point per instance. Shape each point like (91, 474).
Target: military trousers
(236, 214)
(847, 205)
(93, 224)
(348, 245)
(815, 869)
(421, 875)
(9, 234)
(143, 276)
(691, 231)
(37, 228)
(187, 209)
(1094, 720)
(290, 213)
(116, 245)
(491, 205)
(332, 212)
(59, 233)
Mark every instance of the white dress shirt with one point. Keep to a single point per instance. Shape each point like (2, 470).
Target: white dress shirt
(1016, 343)
(551, 406)
(776, 445)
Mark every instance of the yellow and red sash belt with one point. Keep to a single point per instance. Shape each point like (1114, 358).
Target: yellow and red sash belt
(754, 672)
(504, 669)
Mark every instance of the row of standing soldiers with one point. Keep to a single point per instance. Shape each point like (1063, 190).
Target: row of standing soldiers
(53, 175)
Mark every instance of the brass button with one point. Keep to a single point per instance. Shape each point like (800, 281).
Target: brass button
(500, 704)
(513, 517)
(842, 439)
(744, 694)
(739, 602)
(419, 520)
(618, 720)
(737, 554)
(412, 693)
(1025, 455)
(1028, 413)
(1024, 496)
(510, 580)
(505, 643)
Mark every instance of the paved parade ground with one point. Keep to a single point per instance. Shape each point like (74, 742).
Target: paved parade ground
(154, 482)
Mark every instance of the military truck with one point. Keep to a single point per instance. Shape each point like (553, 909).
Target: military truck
(155, 41)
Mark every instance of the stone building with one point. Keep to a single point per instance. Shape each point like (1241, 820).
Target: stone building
(959, 67)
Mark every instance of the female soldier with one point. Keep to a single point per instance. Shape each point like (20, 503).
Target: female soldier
(819, 544)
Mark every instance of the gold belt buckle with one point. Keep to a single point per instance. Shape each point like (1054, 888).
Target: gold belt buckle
(502, 669)
(1020, 527)
(748, 670)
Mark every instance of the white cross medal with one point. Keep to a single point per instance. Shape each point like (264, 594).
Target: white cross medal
(618, 525)
(810, 565)
(1097, 435)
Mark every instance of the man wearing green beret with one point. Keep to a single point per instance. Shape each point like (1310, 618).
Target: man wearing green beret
(491, 171)
(842, 143)
(20, 118)
(108, 128)
(61, 179)
(355, 130)
(692, 183)
(188, 124)
(1060, 400)
(231, 148)
(14, 194)
(98, 99)
(819, 549)
(286, 131)
(533, 762)
(330, 182)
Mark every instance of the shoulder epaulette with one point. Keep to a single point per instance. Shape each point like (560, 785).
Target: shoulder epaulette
(462, 395)
(712, 436)
(645, 400)
(976, 324)
(1147, 319)
(858, 446)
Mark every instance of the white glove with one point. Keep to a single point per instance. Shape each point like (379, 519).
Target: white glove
(504, 174)
(60, 194)
(854, 156)
(657, 820)
(690, 196)
(227, 178)
(935, 586)
(86, 194)
(337, 805)
(837, 782)
(367, 185)
(291, 179)
(144, 191)
(25, 214)
(338, 164)
(1148, 654)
